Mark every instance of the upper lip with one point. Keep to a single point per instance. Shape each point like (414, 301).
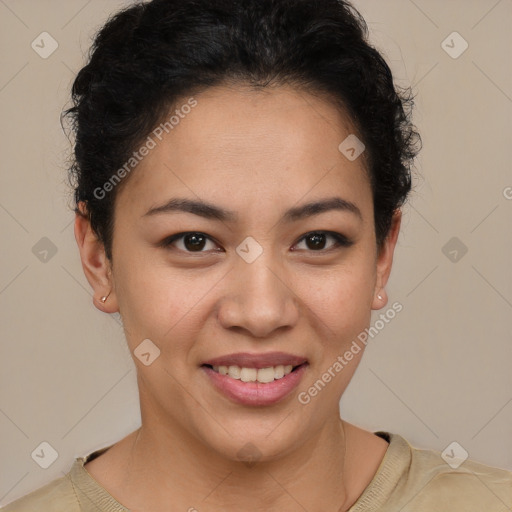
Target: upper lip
(263, 360)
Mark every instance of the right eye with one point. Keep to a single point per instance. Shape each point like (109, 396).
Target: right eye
(190, 241)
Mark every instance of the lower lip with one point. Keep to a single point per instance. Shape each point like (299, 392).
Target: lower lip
(256, 393)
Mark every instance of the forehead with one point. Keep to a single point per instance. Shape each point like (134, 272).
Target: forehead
(268, 145)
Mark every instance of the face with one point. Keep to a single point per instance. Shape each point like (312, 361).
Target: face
(255, 271)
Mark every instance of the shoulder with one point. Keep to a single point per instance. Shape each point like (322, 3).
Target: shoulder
(76, 491)
(57, 496)
(435, 480)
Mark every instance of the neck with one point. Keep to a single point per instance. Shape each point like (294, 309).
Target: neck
(165, 465)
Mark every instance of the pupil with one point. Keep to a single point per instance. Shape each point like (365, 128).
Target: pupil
(194, 242)
(318, 241)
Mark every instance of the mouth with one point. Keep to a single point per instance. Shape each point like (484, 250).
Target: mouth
(261, 375)
(255, 386)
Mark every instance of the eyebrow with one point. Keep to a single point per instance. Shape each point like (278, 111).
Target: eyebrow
(210, 211)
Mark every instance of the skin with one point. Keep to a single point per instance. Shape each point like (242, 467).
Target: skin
(257, 153)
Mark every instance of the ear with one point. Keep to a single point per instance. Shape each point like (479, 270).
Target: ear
(96, 266)
(385, 261)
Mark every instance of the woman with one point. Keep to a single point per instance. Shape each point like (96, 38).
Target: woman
(239, 173)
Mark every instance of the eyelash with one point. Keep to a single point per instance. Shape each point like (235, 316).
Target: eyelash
(341, 241)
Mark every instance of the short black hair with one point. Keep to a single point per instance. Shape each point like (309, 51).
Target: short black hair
(151, 54)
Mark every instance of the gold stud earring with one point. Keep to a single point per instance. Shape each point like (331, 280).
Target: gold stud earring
(104, 298)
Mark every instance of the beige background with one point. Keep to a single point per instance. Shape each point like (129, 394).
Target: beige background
(439, 372)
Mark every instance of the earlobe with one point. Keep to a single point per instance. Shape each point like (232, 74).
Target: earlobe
(380, 298)
(95, 263)
(385, 261)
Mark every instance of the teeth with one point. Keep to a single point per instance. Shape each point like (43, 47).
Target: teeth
(233, 372)
(250, 374)
(263, 375)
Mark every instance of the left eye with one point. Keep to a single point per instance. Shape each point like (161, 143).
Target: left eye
(316, 240)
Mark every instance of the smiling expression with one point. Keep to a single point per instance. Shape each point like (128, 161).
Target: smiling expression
(246, 176)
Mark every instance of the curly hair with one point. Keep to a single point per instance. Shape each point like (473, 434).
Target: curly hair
(149, 55)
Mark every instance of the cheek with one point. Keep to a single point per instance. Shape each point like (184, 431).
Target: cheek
(159, 303)
(339, 307)
(341, 297)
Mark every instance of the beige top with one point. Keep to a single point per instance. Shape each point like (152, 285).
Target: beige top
(407, 480)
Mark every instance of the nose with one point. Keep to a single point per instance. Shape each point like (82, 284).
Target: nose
(259, 299)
